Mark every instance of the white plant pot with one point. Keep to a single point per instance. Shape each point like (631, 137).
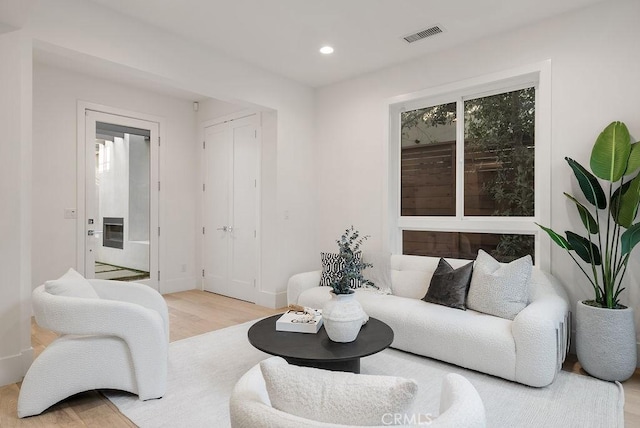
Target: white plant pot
(606, 342)
(342, 317)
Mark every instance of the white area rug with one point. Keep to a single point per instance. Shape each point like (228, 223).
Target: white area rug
(203, 370)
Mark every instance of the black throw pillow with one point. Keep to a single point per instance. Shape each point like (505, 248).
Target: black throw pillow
(449, 286)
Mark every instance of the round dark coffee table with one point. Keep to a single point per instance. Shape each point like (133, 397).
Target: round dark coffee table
(317, 350)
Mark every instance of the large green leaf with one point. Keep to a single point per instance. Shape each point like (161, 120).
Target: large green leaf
(589, 184)
(625, 208)
(584, 248)
(611, 152)
(587, 219)
(558, 239)
(630, 238)
(634, 159)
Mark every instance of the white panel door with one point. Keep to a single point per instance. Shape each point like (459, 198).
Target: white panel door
(230, 250)
(216, 207)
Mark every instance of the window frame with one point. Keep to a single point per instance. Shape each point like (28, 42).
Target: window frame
(535, 75)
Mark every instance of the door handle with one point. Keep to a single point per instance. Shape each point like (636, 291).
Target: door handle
(223, 228)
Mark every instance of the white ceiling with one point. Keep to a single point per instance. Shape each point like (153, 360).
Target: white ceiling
(284, 36)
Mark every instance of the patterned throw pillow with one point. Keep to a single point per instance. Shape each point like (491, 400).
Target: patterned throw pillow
(449, 286)
(499, 289)
(332, 263)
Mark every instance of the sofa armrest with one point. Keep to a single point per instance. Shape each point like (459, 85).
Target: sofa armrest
(300, 282)
(541, 335)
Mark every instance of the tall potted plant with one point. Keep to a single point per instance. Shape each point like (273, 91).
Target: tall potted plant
(342, 315)
(606, 339)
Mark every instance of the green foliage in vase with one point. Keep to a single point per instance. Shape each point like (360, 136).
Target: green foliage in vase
(605, 247)
(352, 264)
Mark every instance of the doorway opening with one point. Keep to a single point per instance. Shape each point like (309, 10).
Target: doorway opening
(121, 204)
(122, 190)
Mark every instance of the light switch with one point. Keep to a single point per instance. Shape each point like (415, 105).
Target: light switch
(70, 213)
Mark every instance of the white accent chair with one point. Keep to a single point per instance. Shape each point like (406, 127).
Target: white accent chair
(250, 407)
(117, 341)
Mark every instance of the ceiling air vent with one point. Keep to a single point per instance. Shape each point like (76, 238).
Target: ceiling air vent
(423, 34)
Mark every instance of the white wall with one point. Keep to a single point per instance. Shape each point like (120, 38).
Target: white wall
(15, 206)
(149, 53)
(595, 66)
(150, 56)
(56, 93)
(210, 109)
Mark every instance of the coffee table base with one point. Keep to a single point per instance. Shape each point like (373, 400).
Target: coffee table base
(352, 365)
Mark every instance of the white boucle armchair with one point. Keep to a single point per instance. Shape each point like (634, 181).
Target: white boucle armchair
(117, 341)
(250, 407)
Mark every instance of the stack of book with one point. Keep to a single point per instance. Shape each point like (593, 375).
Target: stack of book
(300, 321)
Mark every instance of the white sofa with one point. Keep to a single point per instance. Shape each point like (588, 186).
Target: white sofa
(529, 349)
(250, 407)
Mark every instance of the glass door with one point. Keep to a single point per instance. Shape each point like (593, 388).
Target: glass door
(120, 199)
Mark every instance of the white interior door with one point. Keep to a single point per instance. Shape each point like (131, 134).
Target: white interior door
(121, 198)
(230, 244)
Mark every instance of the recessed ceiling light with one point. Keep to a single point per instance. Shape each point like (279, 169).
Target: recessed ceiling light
(326, 50)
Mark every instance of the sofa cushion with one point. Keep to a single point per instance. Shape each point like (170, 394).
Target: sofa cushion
(332, 263)
(410, 283)
(499, 289)
(468, 338)
(380, 271)
(71, 284)
(335, 397)
(410, 275)
(449, 286)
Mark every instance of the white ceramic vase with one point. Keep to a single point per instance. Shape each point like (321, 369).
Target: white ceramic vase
(606, 342)
(342, 317)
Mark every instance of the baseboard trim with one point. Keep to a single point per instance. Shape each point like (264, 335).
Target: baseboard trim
(14, 367)
(175, 285)
(271, 300)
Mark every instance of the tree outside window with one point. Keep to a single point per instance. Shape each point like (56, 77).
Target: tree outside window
(498, 177)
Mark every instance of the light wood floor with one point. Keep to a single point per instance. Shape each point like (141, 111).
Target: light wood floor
(192, 313)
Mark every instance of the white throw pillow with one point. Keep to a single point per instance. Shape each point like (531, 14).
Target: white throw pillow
(380, 272)
(335, 397)
(499, 289)
(71, 284)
